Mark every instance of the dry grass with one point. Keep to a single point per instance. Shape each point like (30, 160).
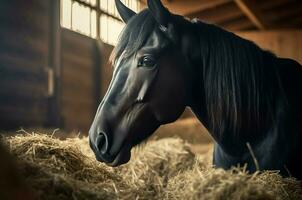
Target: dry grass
(163, 169)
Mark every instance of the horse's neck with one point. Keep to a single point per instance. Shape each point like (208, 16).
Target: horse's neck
(192, 49)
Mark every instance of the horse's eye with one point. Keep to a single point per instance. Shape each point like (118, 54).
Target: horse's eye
(146, 61)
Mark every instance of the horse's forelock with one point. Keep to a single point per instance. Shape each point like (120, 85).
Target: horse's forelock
(134, 35)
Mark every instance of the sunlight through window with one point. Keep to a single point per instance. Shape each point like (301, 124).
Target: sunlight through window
(94, 18)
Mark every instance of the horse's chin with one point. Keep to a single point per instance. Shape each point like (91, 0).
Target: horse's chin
(122, 157)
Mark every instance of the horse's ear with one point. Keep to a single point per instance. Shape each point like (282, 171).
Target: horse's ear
(163, 18)
(124, 11)
(159, 12)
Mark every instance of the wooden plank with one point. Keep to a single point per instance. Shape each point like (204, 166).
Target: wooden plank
(10, 63)
(190, 6)
(288, 11)
(293, 22)
(219, 14)
(98, 20)
(27, 31)
(23, 56)
(252, 12)
(14, 77)
(20, 118)
(77, 125)
(77, 97)
(77, 119)
(33, 5)
(78, 116)
(77, 86)
(17, 121)
(76, 89)
(26, 21)
(297, 22)
(72, 61)
(76, 73)
(268, 5)
(22, 88)
(238, 24)
(75, 39)
(76, 80)
(284, 43)
(26, 34)
(54, 115)
(77, 50)
(106, 69)
(22, 101)
(80, 106)
(18, 112)
(74, 83)
(97, 81)
(29, 49)
(13, 39)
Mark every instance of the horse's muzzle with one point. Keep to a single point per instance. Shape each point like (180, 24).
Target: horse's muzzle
(100, 147)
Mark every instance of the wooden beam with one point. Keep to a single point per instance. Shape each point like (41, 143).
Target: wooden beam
(287, 12)
(294, 22)
(188, 7)
(267, 5)
(239, 24)
(220, 14)
(252, 12)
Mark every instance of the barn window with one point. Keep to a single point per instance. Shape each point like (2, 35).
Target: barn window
(98, 19)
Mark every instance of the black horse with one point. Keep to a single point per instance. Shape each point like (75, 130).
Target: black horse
(249, 99)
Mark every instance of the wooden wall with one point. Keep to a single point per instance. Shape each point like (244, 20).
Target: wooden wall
(79, 98)
(106, 69)
(24, 49)
(284, 43)
(27, 51)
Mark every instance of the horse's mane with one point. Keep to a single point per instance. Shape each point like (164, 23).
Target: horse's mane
(239, 81)
(134, 35)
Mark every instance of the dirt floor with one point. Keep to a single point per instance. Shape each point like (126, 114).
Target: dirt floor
(167, 168)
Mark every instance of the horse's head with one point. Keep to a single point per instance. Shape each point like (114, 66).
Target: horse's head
(148, 85)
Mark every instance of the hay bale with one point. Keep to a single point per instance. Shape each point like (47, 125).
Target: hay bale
(154, 164)
(163, 169)
(67, 167)
(57, 169)
(218, 184)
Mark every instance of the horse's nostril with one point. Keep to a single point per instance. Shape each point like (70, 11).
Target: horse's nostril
(102, 143)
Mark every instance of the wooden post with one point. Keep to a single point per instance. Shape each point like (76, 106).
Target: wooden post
(252, 12)
(98, 15)
(97, 64)
(97, 59)
(54, 63)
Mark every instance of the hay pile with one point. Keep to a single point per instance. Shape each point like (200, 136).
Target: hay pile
(163, 169)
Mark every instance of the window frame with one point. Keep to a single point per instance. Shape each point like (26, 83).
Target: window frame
(98, 11)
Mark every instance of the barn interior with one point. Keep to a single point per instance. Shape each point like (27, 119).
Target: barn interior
(54, 72)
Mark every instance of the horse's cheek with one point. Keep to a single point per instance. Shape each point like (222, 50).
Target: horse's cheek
(168, 111)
